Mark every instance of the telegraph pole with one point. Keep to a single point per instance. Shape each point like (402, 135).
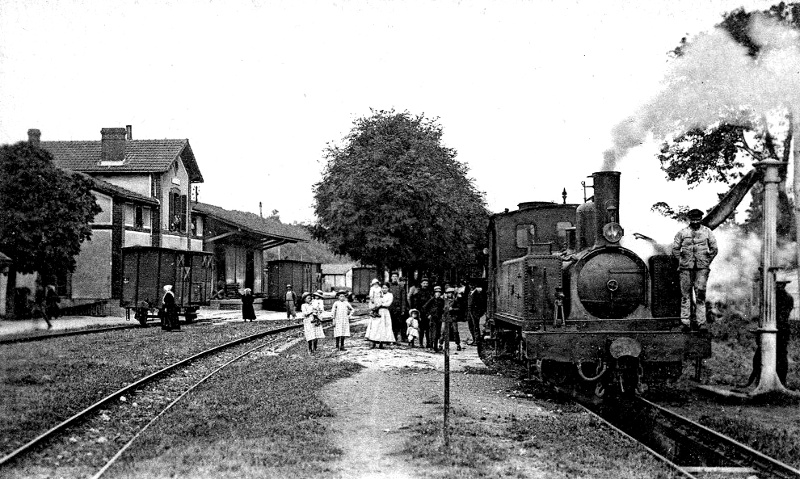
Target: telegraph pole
(446, 430)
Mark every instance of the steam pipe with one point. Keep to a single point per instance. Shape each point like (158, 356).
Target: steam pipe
(603, 368)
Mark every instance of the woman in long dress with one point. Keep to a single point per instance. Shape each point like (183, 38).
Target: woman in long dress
(248, 312)
(312, 324)
(380, 328)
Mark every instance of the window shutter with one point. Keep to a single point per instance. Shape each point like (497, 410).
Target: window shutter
(183, 213)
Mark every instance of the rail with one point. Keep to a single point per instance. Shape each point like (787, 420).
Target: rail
(686, 445)
(78, 417)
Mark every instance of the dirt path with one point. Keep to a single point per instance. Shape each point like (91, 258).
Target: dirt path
(398, 388)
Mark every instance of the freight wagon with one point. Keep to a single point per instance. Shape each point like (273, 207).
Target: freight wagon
(147, 269)
(302, 275)
(362, 277)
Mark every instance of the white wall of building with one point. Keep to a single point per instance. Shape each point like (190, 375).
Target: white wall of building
(92, 276)
(138, 183)
(137, 238)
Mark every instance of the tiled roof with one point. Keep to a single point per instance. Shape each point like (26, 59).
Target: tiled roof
(116, 191)
(141, 156)
(252, 222)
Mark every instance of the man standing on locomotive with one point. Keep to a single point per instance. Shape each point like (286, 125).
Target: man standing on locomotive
(695, 248)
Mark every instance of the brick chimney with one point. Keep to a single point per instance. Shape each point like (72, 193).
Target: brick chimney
(129, 129)
(34, 136)
(112, 144)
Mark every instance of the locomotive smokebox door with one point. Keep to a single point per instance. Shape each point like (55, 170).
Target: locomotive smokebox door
(624, 347)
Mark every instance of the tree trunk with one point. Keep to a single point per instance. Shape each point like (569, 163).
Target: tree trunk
(11, 287)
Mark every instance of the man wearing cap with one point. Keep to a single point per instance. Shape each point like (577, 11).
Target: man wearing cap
(434, 309)
(290, 300)
(695, 248)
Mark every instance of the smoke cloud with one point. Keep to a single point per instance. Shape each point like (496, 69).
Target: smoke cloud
(715, 79)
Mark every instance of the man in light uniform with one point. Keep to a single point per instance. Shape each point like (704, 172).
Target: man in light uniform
(695, 248)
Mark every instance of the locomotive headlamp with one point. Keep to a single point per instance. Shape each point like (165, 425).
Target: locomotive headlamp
(613, 232)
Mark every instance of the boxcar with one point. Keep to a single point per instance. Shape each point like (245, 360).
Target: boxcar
(147, 269)
(361, 282)
(302, 275)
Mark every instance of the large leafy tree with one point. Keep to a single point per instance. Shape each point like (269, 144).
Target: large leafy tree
(392, 195)
(44, 212)
(718, 152)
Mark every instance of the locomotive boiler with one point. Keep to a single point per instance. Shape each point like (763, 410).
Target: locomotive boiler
(585, 312)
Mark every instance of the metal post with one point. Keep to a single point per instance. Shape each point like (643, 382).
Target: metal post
(768, 330)
(446, 431)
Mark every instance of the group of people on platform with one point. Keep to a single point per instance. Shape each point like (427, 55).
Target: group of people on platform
(418, 315)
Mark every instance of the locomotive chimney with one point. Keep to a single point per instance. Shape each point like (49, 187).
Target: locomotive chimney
(606, 199)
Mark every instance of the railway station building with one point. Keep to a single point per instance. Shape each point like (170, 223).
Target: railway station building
(144, 190)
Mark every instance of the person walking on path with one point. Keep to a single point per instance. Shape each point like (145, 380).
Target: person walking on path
(399, 307)
(695, 248)
(476, 308)
(417, 300)
(312, 323)
(248, 312)
(51, 301)
(169, 310)
(290, 300)
(434, 309)
(40, 303)
(342, 311)
(380, 328)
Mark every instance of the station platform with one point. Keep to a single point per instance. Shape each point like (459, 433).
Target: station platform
(21, 327)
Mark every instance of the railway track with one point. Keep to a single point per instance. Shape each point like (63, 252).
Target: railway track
(88, 443)
(690, 449)
(76, 332)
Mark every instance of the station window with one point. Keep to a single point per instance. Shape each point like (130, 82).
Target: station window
(526, 235)
(130, 215)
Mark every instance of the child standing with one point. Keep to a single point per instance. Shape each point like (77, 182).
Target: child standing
(312, 323)
(341, 310)
(412, 322)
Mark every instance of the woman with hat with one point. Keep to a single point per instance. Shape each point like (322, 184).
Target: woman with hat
(380, 328)
(312, 323)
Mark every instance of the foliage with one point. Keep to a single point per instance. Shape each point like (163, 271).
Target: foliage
(44, 211)
(392, 195)
(718, 152)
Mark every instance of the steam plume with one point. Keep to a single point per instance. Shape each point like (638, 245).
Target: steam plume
(715, 79)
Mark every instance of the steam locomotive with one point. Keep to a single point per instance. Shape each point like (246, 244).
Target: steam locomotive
(586, 314)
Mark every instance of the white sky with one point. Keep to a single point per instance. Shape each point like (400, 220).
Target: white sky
(526, 91)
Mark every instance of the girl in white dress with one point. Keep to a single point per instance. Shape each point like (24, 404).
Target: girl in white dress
(312, 323)
(341, 319)
(380, 328)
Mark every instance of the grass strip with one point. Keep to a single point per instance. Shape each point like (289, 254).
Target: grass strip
(777, 442)
(568, 445)
(45, 382)
(258, 418)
